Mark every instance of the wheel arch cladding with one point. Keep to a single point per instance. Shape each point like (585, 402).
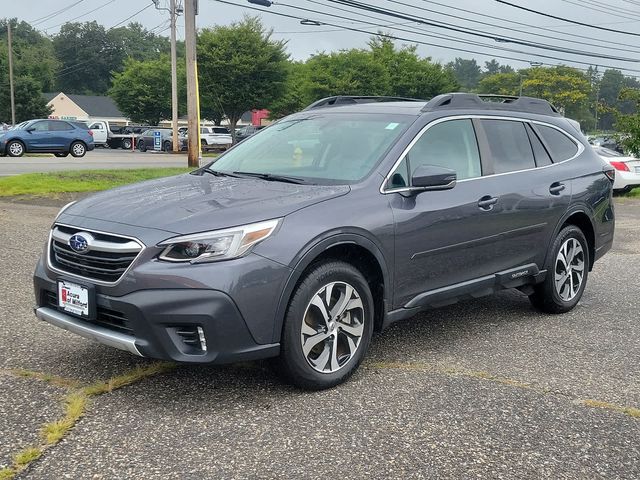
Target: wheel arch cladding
(583, 222)
(359, 252)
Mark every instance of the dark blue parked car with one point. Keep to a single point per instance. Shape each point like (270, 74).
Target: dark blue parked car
(47, 136)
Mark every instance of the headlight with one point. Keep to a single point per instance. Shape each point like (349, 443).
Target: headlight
(64, 208)
(217, 245)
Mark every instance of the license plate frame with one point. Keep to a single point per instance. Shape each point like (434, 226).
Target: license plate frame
(82, 302)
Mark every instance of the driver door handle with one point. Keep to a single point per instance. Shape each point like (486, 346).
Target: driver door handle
(487, 202)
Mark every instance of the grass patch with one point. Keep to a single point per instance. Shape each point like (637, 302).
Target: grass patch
(75, 404)
(635, 193)
(46, 377)
(27, 456)
(632, 412)
(127, 378)
(50, 184)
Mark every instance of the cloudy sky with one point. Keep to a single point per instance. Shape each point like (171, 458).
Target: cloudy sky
(499, 30)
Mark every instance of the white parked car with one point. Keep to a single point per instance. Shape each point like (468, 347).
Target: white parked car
(627, 169)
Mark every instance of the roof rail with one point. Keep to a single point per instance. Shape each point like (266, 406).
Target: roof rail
(490, 102)
(353, 99)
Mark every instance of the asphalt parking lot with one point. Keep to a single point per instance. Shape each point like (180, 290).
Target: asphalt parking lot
(488, 389)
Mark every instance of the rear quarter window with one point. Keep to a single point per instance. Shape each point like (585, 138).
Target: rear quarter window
(559, 145)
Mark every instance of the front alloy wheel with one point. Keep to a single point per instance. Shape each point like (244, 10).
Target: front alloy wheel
(15, 149)
(332, 327)
(327, 327)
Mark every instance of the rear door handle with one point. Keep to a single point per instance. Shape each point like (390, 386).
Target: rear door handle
(556, 188)
(487, 202)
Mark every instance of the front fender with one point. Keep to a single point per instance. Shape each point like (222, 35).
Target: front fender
(315, 248)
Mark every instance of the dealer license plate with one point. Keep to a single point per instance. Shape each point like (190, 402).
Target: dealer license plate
(637, 169)
(73, 298)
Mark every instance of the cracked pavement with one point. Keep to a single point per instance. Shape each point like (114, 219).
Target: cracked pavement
(489, 388)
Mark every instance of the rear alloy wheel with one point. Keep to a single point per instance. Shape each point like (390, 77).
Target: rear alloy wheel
(141, 146)
(78, 149)
(166, 146)
(126, 143)
(328, 327)
(567, 271)
(15, 148)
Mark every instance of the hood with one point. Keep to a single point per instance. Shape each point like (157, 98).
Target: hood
(192, 203)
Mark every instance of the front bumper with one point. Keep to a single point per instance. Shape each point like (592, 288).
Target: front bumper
(149, 318)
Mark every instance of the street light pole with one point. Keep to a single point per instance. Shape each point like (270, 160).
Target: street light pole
(174, 80)
(11, 93)
(190, 11)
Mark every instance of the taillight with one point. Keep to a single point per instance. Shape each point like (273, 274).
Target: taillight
(620, 166)
(610, 173)
(90, 132)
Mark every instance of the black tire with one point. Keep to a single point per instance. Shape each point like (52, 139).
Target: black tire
(61, 154)
(166, 146)
(78, 149)
(141, 146)
(126, 143)
(15, 148)
(546, 297)
(292, 363)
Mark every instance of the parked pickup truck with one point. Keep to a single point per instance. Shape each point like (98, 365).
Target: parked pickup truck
(115, 137)
(215, 138)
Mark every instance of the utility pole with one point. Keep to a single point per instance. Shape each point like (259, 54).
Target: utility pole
(190, 12)
(174, 80)
(11, 94)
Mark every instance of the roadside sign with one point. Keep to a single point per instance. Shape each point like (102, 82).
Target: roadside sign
(157, 140)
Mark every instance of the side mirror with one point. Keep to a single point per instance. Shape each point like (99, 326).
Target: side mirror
(31, 129)
(431, 177)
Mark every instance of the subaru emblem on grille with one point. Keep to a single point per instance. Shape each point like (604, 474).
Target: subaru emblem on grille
(80, 242)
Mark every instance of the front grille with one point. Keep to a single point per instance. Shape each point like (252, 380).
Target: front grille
(105, 317)
(107, 259)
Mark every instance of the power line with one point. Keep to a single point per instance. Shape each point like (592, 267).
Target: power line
(544, 28)
(53, 14)
(79, 16)
(606, 9)
(575, 22)
(478, 33)
(420, 42)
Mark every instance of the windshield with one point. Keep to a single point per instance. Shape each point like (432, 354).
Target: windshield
(319, 148)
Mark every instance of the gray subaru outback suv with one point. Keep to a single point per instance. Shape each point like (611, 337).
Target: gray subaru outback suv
(334, 222)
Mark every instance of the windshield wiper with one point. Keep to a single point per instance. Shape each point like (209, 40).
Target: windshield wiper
(218, 173)
(273, 178)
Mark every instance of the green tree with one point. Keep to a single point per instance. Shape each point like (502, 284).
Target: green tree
(628, 124)
(241, 66)
(500, 84)
(143, 90)
(467, 72)
(28, 100)
(296, 95)
(34, 66)
(347, 72)
(410, 75)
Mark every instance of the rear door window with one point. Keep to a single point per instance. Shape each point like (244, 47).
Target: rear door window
(509, 145)
(560, 146)
(60, 126)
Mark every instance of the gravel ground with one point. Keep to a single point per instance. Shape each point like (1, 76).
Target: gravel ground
(488, 388)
